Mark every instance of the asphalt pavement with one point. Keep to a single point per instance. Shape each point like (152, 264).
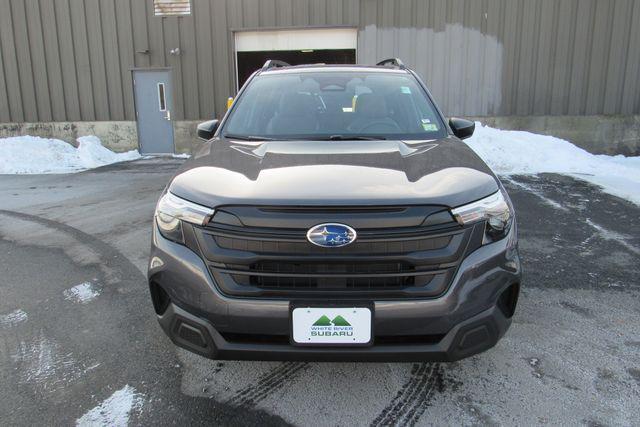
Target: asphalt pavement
(79, 340)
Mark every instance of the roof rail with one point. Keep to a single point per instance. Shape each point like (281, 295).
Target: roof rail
(273, 63)
(395, 62)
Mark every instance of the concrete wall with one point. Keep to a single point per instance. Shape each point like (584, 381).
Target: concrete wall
(597, 134)
(185, 137)
(117, 136)
(71, 60)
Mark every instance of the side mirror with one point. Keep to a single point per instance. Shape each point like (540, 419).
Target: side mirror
(207, 129)
(462, 128)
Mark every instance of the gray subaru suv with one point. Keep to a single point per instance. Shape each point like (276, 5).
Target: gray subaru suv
(334, 214)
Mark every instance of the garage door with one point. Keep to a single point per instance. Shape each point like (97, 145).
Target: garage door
(305, 46)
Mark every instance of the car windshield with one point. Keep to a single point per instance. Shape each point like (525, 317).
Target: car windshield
(334, 105)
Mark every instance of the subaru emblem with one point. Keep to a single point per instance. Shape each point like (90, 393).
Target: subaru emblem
(331, 235)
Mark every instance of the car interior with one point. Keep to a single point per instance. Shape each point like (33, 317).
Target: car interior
(325, 104)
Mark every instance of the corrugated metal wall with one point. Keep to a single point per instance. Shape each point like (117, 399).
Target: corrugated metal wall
(515, 57)
(70, 60)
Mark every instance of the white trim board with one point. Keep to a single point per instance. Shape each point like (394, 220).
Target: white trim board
(303, 39)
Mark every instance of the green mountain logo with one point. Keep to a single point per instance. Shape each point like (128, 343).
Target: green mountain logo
(323, 321)
(340, 321)
(337, 321)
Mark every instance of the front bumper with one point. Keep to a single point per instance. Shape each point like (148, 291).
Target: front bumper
(470, 337)
(469, 318)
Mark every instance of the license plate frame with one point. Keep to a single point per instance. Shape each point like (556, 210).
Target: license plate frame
(331, 307)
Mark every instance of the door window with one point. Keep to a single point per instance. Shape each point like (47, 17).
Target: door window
(161, 97)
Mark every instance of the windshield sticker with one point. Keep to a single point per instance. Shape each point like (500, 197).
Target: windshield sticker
(405, 89)
(429, 127)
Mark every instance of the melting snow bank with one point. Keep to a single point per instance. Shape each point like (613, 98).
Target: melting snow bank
(115, 410)
(32, 155)
(516, 152)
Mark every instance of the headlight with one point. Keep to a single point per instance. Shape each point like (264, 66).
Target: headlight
(495, 210)
(172, 210)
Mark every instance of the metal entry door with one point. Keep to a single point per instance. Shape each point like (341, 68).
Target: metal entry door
(153, 111)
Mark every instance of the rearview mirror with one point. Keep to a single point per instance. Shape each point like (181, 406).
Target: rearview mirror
(462, 128)
(207, 129)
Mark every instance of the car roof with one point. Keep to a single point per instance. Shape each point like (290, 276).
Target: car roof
(333, 67)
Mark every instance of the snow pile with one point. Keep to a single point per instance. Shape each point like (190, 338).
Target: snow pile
(517, 152)
(115, 410)
(32, 154)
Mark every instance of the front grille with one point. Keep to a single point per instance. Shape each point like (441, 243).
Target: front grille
(327, 283)
(271, 258)
(336, 276)
(391, 245)
(330, 269)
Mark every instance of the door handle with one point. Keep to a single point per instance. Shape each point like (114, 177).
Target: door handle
(168, 115)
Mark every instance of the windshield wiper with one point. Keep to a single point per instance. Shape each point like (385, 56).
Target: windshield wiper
(310, 138)
(249, 137)
(351, 138)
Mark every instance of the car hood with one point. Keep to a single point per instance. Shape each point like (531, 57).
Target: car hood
(443, 172)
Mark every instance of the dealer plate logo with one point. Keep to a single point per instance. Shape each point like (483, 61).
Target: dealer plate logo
(338, 325)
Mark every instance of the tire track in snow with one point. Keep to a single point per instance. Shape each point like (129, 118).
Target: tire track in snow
(535, 192)
(600, 231)
(268, 383)
(412, 399)
(424, 400)
(389, 413)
